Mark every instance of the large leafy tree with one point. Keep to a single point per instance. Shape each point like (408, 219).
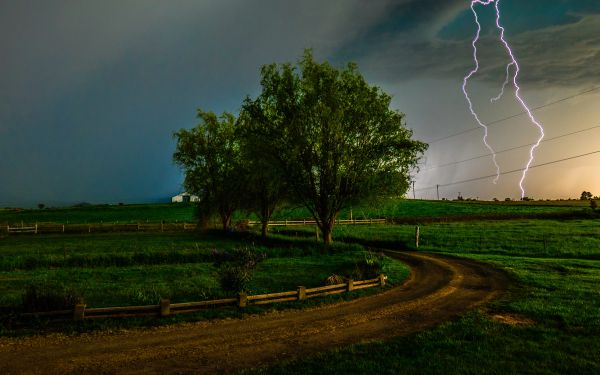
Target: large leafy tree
(210, 156)
(264, 186)
(333, 136)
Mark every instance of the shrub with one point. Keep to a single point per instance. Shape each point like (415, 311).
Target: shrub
(37, 298)
(234, 278)
(235, 267)
(369, 267)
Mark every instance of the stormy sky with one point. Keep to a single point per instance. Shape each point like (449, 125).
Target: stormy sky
(91, 91)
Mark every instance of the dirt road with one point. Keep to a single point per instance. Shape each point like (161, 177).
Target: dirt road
(439, 289)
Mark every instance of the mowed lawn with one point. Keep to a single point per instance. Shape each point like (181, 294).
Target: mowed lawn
(548, 323)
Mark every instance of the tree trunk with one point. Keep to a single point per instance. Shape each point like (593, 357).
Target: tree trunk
(265, 228)
(326, 231)
(226, 221)
(203, 222)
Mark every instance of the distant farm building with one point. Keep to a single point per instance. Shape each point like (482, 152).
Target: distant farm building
(184, 198)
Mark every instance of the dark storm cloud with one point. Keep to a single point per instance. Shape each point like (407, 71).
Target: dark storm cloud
(566, 54)
(91, 91)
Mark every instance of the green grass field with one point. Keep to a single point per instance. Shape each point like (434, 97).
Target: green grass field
(386, 208)
(554, 305)
(121, 269)
(100, 214)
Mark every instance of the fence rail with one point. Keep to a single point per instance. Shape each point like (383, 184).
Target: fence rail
(166, 308)
(98, 228)
(286, 223)
(48, 228)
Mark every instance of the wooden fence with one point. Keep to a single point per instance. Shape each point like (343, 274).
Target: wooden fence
(97, 228)
(287, 223)
(38, 228)
(166, 308)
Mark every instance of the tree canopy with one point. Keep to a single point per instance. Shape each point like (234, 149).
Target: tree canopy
(332, 135)
(210, 156)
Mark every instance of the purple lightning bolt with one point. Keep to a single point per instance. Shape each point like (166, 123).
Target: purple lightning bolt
(523, 104)
(515, 83)
(464, 86)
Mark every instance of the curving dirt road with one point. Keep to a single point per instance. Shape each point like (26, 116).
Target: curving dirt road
(439, 288)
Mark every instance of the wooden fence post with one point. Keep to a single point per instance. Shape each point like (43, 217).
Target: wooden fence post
(63, 228)
(382, 280)
(301, 293)
(417, 236)
(350, 285)
(242, 299)
(89, 228)
(165, 307)
(79, 312)
(317, 232)
(36, 228)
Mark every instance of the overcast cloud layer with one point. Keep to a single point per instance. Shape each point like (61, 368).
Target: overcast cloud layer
(91, 91)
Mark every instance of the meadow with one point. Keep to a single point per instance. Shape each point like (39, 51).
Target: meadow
(385, 208)
(548, 322)
(115, 269)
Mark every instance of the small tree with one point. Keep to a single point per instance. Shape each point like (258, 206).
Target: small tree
(593, 204)
(333, 136)
(585, 195)
(41, 206)
(209, 155)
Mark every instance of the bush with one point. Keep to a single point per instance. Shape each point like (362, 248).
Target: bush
(369, 267)
(38, 298)
(234, 278)
(235, 267)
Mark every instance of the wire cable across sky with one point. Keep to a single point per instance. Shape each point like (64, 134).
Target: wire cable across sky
(508, 172)
(509, 149)
(514, 115)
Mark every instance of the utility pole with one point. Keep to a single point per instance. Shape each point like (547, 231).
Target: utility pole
(413, 183)
(437, 188)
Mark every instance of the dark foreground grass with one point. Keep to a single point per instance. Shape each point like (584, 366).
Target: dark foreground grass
(549, 323)
(121, 269)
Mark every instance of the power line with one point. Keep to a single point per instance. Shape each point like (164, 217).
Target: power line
(515, 115)
(509, 149)
(508, 172)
